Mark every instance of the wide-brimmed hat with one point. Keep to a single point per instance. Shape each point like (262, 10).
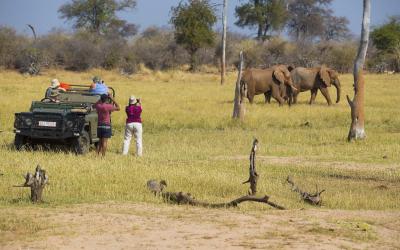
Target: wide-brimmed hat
(96, 79)
(55, 83)
(132, 99)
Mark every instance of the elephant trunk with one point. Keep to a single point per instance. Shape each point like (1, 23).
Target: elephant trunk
(337, 85)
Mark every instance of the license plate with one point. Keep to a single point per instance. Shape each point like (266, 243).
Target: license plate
(47, 124)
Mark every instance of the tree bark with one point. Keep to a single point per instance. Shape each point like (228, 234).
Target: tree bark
(313, 199)
(223, 54)
(253, 175)
(36, 182)
(357, 130)
(184, 198)
(240, 91)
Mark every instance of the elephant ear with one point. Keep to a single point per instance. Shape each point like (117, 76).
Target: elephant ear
(333, 73)
(324, 74)
(278, 74)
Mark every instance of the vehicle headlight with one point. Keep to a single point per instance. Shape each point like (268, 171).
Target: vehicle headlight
(70, 124)
(28, 121)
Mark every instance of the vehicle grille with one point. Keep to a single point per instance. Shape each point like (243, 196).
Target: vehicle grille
(47, 121)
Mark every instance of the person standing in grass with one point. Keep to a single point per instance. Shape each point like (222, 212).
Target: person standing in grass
(104, 130)
(133, 126)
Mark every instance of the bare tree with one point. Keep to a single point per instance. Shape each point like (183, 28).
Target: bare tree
(357, 130)
(223, 62)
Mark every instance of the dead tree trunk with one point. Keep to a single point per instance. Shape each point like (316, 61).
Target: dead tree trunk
(184, 198)
(240, 91)
(37, 183)
(253, 175)
(313, 199)
(223, 55)
(357, 130)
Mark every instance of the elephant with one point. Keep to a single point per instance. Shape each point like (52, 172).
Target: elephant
(275, 81)
(313, 79)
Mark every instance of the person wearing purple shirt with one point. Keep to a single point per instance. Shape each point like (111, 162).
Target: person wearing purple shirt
(133, 126)
(104, 130)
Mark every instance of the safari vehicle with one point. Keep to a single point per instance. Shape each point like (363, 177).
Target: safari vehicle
(70, 120)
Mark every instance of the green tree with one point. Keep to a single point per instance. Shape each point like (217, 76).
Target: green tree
(386, 39)
(98, 16)
(307, 18)
(193, 22)
(264, 15)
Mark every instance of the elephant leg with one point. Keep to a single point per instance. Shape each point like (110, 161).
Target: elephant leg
(325, 92)
(295, 97)
(251, 98)
(313, 95)
(277, 97)
(268, 96)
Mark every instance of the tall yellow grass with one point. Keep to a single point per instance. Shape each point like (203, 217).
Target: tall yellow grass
(192, 143)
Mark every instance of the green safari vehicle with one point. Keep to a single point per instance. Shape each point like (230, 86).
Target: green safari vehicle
(70, 120)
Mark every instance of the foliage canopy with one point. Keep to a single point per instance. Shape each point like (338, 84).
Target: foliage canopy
(386, 39)
(264, 15)
(99, 16)
(193, 22)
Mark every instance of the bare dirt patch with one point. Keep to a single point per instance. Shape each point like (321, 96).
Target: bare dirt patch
(161, 226)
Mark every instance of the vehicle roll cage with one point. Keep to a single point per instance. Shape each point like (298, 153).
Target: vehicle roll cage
(84, 89)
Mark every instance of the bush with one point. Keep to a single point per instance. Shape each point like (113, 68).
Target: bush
(10, 45)
(157, 49)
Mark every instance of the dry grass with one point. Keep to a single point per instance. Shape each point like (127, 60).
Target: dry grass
(191, 141)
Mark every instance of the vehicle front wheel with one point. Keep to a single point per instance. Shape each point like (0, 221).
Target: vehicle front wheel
(82, 143)
(19, 141)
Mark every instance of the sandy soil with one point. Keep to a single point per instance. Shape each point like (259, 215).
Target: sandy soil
(163, 226)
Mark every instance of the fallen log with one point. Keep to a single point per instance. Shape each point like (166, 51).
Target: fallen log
(36, 182)
(313, 199)
(185, 198)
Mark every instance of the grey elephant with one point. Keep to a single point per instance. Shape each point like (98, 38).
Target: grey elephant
(274, 81)
(312, 79)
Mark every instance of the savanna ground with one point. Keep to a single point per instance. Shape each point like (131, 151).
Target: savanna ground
(192, 143)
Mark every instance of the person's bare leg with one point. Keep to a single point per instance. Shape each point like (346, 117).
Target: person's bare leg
(104, 149)
(99, 146)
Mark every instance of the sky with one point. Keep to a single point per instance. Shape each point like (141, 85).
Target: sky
(43, 15)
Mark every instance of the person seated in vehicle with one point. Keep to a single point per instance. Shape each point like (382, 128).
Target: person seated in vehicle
(55, 88)
(53, 97)
(98, 87)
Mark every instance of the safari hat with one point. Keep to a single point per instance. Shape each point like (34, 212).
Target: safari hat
(96, 79)
(132, 99)
(55, 83)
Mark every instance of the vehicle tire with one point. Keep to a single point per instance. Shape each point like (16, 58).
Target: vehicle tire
(19, 141)
(82, 143)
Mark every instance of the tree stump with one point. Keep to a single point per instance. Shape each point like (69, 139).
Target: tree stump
(36, 182)
(240, 93)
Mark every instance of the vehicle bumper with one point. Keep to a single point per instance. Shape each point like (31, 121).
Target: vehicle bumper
(47, 134)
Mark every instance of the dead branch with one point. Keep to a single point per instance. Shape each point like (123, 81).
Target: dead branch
(33, 30)
(253, 175)
(36, 182)
(184, 198)
(313, 199)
